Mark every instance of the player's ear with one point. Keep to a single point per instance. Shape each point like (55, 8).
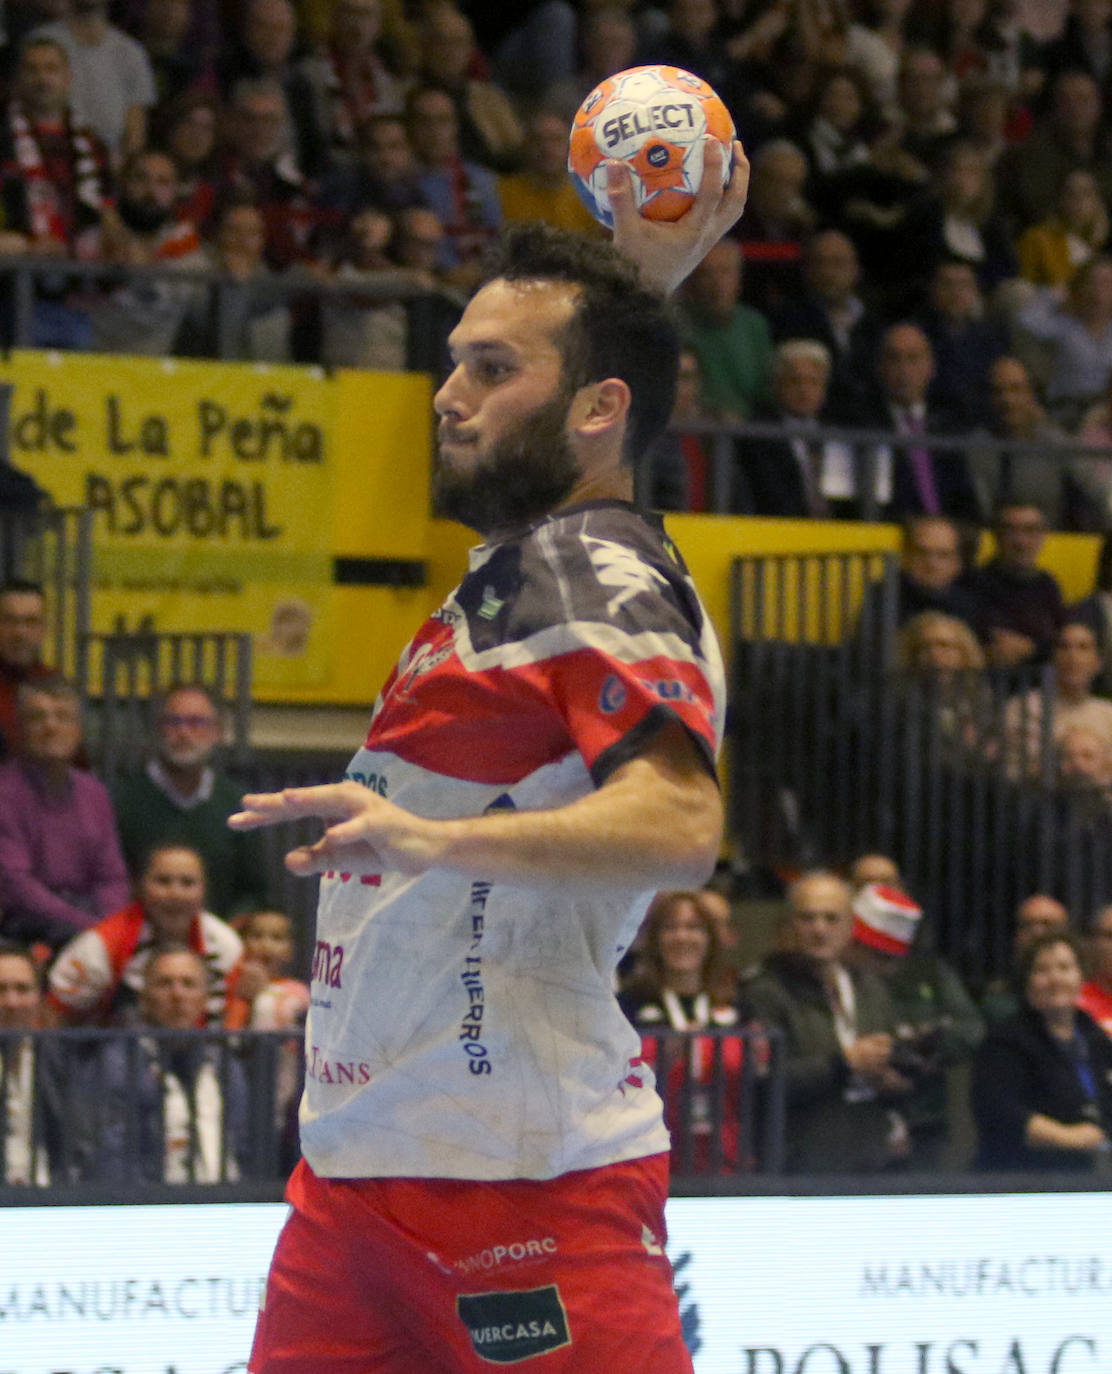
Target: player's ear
(601, 405)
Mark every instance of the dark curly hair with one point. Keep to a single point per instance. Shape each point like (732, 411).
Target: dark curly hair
(620, 329)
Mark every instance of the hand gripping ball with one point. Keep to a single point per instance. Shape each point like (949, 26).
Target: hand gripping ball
(653, 119)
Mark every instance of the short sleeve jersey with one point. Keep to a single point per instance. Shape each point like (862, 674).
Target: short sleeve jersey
(463, 1028)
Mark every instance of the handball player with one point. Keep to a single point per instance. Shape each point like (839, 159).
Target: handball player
(485, 1162)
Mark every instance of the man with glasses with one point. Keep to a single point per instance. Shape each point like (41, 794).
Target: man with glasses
(1018, 605)
(183, 797)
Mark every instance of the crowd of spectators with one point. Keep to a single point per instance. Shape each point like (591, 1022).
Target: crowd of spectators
(929, 203)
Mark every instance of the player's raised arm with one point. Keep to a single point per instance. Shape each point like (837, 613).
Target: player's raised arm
(668, 251)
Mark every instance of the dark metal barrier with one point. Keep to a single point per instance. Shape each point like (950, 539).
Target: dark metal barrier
(143, 1107)
(429, 314)
(835, 752)
(724, 1098)
(134, 1109)
(998, 469)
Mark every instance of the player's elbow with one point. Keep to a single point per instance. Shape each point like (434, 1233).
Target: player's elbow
(699, 832)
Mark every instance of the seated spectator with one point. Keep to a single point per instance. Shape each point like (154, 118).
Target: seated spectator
(926, 120)
(965, 344)
(802, 473)
(170, 1110)
(1022, 478)
(1068, 137)
(930, 565)
(179, 65)
(1096, 991)
(60, 863)
(463, 195)
(1018, 606)
(259, 165)
(836, 136)
(490, 132)
(955, 221)
(542, 189)
(98, 977)
(777, 221)
(22, 635)
(55, 186)
(684, 983)
(1051, 251)
(1036, 916)
(263, 49)
(183, 797)
(1085, 769)
(1076, 335)
(261, 994)
(984, 116)
(252, 321)
(920, 482)
(731, 340)
(1042, 1080)
(692, 41)
(33, 1146)
(144, 315)
(941, 666)
(1084, 43)
(186, 129)
(350, 76)
(839, 1025)
(874, 868)
(939, 1025)
(831, 311)
(113, 84)
(365, 331)
(1072, 704)
(1095, 610)
(383, 174)
(681, 474)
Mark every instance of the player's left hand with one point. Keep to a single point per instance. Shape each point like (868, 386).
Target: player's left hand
(367, 834)
(669, 251)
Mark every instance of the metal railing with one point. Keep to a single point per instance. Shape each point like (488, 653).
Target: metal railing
(137, 1108)
(999, 469)
(724, 1098)
(232, 299)
(834, 752)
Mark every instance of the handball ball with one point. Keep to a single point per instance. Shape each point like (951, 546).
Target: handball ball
(653, 119)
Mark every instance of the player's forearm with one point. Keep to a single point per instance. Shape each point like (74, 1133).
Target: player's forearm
(638, 834)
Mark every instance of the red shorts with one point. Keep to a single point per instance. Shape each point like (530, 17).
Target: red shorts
(439, 1276)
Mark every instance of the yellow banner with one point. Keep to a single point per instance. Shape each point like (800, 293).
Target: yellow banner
(212, 491)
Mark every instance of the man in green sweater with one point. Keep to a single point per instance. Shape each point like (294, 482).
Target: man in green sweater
(182, 797)
(732, 341)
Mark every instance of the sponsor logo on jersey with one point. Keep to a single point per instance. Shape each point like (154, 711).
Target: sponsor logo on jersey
(471, 976)
(318, 1066)
(613, 695)
(506, 1328)
(328, 964)
(374, 782)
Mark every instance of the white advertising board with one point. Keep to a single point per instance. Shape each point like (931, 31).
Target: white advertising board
(985, 1284)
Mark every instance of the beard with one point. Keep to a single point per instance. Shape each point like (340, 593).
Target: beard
(527, 473)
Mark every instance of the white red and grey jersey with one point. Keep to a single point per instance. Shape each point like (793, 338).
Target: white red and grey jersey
(461, 1028)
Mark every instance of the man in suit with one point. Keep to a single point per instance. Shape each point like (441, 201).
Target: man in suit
(831, 311)
(799, 474)
(914, 480)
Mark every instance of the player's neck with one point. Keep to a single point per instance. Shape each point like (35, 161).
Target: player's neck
(615, 484)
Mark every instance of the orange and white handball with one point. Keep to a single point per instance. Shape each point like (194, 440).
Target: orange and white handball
(655, 120)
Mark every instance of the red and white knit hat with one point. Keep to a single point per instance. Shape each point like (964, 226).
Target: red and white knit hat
(885, 918)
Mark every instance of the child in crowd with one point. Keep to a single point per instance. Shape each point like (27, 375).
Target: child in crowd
(260, 996)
